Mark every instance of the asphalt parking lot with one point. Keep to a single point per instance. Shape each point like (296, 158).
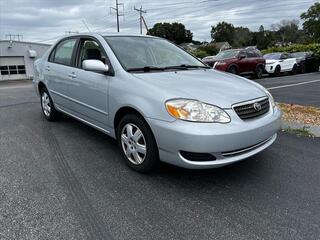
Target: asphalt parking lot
(65, 180)
(303, 89)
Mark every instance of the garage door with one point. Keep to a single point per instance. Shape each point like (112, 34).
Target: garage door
(12, 68)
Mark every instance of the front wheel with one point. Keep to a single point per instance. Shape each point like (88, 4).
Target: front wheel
(48, 109)
(137, 143)
(233, 70)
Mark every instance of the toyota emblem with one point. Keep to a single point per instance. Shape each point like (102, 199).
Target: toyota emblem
(257, 106)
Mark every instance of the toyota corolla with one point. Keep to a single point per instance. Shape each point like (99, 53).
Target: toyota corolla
(157, 100)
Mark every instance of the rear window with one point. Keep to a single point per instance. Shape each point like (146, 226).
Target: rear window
(63, 52)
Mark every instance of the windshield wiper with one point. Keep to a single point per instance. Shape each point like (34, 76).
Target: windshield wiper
(145, 69)
(185, 66)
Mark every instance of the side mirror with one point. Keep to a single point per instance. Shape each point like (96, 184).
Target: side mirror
(242, 56)
(95, 66)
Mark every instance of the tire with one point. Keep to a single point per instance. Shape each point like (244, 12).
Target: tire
(233, 70)
(48, 109)
(139, 149)
(258, 72)
(294, 70)
(303, 68)
(277, 71)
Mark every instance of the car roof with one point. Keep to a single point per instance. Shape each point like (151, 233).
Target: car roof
(103, 34)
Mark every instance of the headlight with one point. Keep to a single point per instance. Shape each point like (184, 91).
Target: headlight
(196, 111)
(221, 63)
(271, 99)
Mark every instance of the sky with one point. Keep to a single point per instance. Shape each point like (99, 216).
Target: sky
(47, 20)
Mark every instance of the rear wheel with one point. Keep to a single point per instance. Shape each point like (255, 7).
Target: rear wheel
(233, 70)
(48, 109)
(258, 73)
(294, 70)
(137, 143)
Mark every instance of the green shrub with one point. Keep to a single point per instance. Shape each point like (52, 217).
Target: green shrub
(199, 53)
(313, 47)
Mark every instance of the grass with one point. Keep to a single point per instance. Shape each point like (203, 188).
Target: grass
(304, 132)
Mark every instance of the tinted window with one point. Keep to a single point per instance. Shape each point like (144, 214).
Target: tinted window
(272, 56)
(63, 52)
(251, 54)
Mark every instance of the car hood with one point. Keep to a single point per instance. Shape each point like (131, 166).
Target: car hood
(209, 86)
(270, 61)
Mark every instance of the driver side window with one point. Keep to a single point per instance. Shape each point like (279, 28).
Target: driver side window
(90, 50)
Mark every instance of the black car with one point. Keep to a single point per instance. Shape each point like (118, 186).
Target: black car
(307, 61)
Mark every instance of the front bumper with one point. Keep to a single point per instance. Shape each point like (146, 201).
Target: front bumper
(269, 68)
(229, 142)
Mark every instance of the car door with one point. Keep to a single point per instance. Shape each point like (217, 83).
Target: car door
(88, 89)
(285, 62)
(244, 62)
(252, 61)
(57, 70)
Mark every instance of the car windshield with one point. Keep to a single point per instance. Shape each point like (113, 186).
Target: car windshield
(227, 54)
(272, 56)
(148, 53)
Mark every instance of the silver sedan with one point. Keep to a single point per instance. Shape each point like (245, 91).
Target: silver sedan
(157, 100)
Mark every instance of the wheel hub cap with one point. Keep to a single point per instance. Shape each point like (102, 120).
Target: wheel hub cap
(45, 102)
(133, 144)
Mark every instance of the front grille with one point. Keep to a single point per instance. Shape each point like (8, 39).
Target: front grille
(253, 109)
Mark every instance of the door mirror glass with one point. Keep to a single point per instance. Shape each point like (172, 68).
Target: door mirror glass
(95, 66)
(242, 56)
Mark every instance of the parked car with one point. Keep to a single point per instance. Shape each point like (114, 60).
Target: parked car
(307, 61)
(238, 61)
(157, 100)
(277, 63)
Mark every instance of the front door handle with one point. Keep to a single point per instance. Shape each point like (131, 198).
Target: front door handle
(48, 68)
(72, 75)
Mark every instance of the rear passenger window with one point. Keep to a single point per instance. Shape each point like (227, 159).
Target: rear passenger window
(251, 54)
(63, 52)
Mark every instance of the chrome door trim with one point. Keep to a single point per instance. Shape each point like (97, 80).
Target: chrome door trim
(78, 102)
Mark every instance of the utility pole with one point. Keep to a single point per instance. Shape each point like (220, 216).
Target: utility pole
(141, 17)
(117, 13)
(13, 36)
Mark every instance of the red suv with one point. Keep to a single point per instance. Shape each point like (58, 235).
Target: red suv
(238, 61)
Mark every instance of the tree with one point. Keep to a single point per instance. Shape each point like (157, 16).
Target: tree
(311, 23)
(223, 32)
(175, 32)
(286, 31)
(242, 37)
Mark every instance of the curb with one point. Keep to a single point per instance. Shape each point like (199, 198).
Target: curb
(315, 130)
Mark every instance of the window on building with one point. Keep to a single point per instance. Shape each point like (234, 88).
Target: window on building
(12, 70)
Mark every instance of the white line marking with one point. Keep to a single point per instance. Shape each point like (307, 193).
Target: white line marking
(15, 87)
(294, 84)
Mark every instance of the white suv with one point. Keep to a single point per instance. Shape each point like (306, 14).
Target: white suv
(277, 63)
